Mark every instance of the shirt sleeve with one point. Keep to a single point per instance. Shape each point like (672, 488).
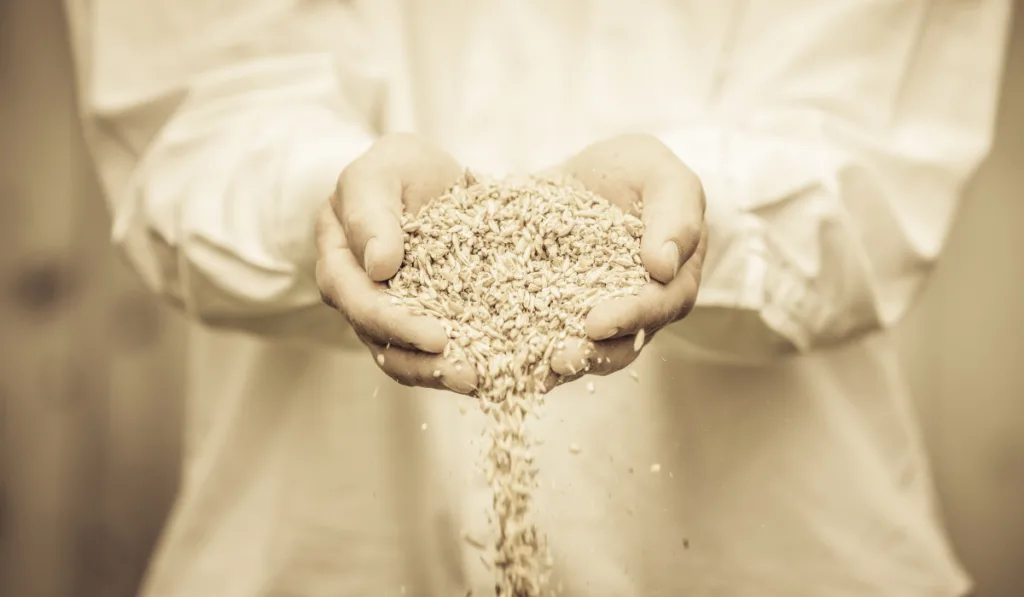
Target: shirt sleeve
(833, 167)
(218, 131)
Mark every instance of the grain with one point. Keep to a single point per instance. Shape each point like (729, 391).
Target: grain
(638, 342)
(511, 268)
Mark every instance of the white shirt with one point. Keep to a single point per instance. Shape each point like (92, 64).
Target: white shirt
(833, 139)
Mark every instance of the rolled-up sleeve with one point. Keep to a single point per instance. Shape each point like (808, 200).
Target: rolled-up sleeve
(834, 170)
(215, 166)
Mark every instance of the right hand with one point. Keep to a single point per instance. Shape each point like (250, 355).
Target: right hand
(360, 246)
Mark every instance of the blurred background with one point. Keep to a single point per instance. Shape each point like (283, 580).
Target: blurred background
(91, 367)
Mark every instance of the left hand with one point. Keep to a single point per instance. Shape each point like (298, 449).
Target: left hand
(625, 170)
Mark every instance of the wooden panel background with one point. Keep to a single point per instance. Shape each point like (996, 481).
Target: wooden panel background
(91, 367)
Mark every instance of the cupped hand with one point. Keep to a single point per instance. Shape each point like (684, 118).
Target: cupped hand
(360, 245)
(627, 170)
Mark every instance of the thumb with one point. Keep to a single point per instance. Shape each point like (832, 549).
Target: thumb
(673, 215)
(369, 206)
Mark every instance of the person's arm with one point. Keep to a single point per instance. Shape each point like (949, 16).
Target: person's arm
(218, 131)
(843, 139)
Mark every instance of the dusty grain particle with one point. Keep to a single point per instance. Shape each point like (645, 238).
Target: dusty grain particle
(634, 375)
(473, 541)
(590, 387)
(423, 427)
(380, 359)
(574, 448)
(655, 468)
(437, 373)
(638, 342)
(375, 390)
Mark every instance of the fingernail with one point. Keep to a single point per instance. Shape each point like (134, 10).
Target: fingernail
(369, 255)
(608, 334)
(457, 382)
(671, 252)
(458, 387)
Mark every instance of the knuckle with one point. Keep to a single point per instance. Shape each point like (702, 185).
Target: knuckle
(685, 306)
(357, 218)
(328, 300)
(402, 378)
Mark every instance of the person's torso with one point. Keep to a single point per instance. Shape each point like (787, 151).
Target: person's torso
(310, 473)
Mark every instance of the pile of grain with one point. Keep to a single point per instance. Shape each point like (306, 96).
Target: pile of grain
(511, 267)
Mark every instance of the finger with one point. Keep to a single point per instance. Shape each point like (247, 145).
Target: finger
(573, 357)
(611, 356)
(596, 358)
(368, 203)
(553, 380)
(345, 287)
(673, 216)
(422, 370)
(401, 171)
(654, 306)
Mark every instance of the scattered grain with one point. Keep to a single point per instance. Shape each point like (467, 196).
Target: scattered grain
(638, 341)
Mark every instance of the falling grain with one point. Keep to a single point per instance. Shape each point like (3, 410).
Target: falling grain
(511, 268)
(473, 541)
